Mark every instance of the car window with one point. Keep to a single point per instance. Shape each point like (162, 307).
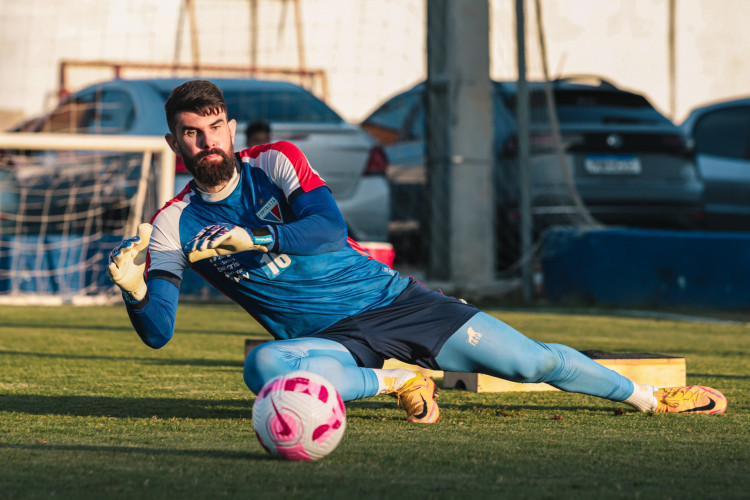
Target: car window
(600, 98)
(68, 116)
(95, 111)
(724, 132)
(277, 107)
(609, 107)
(394, 113)
(112, 112)
(280, 107)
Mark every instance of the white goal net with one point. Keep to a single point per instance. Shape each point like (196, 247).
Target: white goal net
(65, 201)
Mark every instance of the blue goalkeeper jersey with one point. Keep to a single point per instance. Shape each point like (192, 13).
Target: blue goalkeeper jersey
(297, 289)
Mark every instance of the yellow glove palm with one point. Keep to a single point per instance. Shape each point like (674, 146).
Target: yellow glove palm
(225, 239)
(127, 263)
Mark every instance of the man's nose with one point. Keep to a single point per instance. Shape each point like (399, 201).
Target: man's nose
(206, 141)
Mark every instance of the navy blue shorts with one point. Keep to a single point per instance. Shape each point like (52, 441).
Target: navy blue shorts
(411, 329)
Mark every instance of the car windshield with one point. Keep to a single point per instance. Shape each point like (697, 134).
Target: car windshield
(595, 106)
(394, 113)
(277, 107)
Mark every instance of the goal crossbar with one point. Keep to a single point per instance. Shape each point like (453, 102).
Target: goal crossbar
(120, 143)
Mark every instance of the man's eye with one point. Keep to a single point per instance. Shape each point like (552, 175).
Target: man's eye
(190, 133)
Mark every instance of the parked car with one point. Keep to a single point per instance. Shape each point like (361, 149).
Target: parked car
(349, 160)
(630, 165)
(721, 135)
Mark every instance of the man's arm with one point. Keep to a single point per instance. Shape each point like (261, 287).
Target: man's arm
(153, 317)
(321, 228)
(152, 307)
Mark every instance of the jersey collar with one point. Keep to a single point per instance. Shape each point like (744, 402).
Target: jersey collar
(225, 191)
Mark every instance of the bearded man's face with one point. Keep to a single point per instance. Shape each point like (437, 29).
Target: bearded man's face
(205, 144)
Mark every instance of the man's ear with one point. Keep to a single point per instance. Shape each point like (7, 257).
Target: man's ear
(232, 124)
(172, 141)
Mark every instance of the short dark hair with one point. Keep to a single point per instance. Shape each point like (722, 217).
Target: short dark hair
(197, 96)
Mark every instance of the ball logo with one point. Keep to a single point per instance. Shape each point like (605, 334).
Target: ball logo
(283, 428)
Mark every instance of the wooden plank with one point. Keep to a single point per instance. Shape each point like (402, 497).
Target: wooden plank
(662, 372)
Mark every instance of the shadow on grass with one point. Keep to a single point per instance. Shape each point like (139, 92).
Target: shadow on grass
(149, 361)
(718, 375)
(58, 327)
(153, 408)
(510, 409)
(120, 407)
(195, 331)
(525, 410)
(181, 408)
(688, 351)
(133, 450)
(123, 328)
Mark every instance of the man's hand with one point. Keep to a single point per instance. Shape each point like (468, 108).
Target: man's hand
(225, 239)
(127, 264)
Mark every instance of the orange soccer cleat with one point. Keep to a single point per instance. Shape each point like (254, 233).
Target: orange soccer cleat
(418, 397)
(692, 399)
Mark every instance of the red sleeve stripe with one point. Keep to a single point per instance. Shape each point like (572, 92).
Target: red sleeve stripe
(176, 199)
(307, 176)
(356, 246)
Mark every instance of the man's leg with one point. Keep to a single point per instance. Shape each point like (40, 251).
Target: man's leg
(486, 345)
(324, 357)
(334, 362)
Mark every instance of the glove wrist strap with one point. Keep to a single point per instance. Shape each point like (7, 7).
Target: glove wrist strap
(137, 295)
(262, 236)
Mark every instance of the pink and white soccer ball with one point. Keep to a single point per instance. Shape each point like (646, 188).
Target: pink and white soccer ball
(299, 416)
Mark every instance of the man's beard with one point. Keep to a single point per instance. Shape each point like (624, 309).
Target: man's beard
(210, 173)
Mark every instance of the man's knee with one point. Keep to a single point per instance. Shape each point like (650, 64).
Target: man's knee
(538, 368)
(262, 364)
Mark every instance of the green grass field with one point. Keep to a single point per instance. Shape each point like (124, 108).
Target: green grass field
(88, 411)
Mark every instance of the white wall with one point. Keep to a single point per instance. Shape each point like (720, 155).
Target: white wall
(371, 49)
(626, 41)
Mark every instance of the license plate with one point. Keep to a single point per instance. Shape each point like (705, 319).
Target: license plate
(613, 165)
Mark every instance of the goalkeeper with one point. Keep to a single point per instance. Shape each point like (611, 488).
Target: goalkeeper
(262, 227)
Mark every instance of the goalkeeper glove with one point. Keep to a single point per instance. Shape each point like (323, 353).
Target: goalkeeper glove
(127, 264)
(225, 239)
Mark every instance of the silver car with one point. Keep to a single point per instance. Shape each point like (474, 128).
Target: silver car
(721, 135)
(349, 160)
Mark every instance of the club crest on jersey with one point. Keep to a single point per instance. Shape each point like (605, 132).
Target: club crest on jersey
(270, 212)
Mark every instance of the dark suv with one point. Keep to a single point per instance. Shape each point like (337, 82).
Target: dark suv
(627, 163)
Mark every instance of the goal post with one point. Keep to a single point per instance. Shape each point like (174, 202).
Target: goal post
(65, 202)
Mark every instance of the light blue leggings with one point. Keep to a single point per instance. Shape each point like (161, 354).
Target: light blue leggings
(322, 356)
(483, 344)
